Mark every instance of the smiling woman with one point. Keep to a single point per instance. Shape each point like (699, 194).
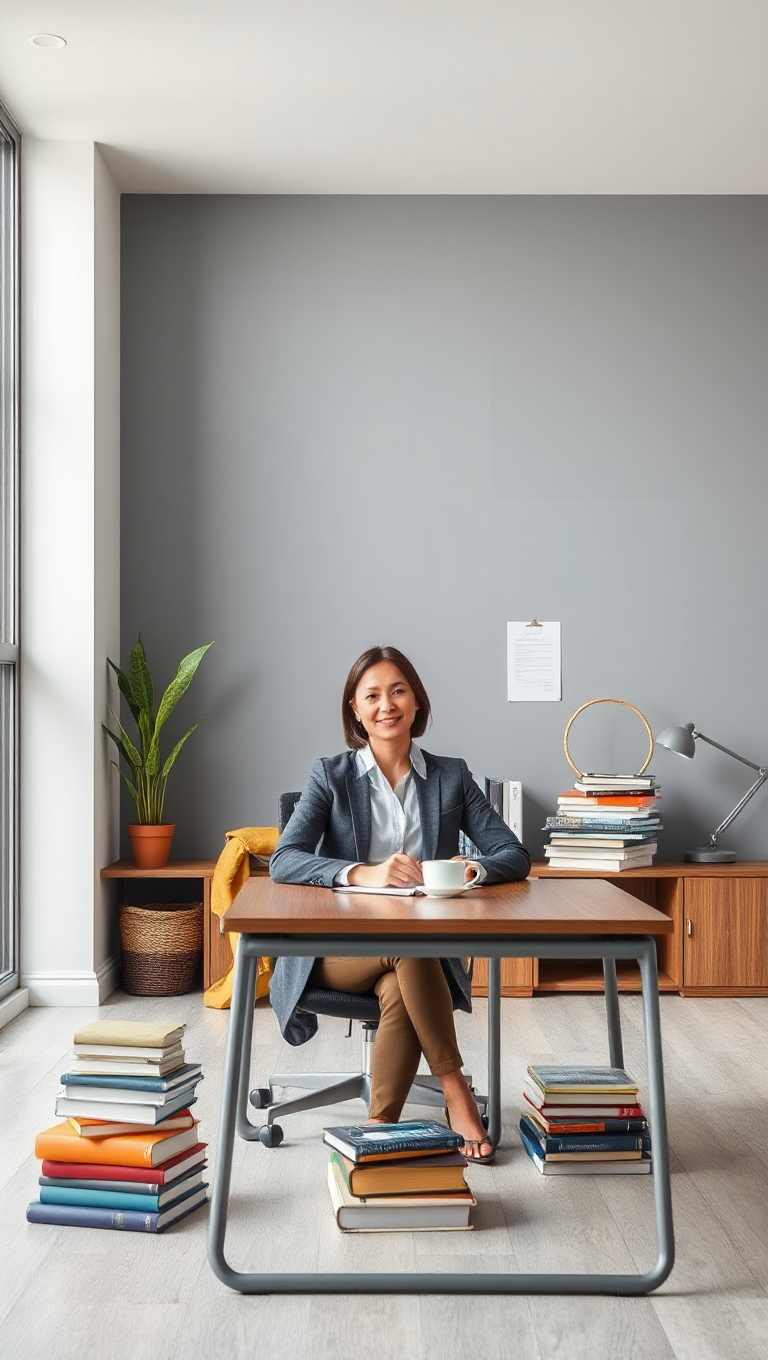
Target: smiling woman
(369, 818)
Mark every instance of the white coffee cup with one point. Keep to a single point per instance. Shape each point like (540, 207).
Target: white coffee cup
(442, 875)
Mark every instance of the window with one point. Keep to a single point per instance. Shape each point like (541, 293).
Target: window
(9, 550)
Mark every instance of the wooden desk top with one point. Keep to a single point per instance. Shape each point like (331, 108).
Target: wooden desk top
(535, 907)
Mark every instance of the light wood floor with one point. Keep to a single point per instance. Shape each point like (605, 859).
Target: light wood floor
(82, 1292)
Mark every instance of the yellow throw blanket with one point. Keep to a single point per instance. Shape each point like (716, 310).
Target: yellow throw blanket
(231, 872)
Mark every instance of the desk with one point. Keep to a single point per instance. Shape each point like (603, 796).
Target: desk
(535, 919)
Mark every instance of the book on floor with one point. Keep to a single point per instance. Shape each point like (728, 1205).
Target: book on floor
(560, 1080)
(131, 1033)
(127, 1053)
(124, 1220)
(62, 1144)
(117, 1086)
(439, 1174)
(106, 1128)
(571, 1107)
(578, 1167)
(164, 1173)
(125, 1111)
(127, 1067)
(411, 1138)
(394, 1213)
(561, 1125)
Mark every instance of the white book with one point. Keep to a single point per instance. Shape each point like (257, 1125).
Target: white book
(590, 851)
(396, 1213)
(119, 1110)
(637, 1168)
(607, 865)
(512, 796)
(129, 1052)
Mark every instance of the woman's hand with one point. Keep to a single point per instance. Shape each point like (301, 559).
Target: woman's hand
(470, 868)
(399, 871)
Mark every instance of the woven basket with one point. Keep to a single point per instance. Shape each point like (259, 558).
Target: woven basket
(162, 948)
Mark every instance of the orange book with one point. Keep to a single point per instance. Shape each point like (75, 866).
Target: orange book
(63, 1144)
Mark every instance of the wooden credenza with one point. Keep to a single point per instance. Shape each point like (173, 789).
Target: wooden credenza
(719, 946)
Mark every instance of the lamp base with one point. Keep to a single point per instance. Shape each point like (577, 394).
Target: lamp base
(703, 855)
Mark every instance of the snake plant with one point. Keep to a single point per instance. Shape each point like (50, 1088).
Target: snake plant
(149, 774)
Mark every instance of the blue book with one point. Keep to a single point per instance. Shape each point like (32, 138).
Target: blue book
(123, 1220)
(636, 1167)
(585, 1142)
(374, 1142)
(187, 1075)
(108, 1199)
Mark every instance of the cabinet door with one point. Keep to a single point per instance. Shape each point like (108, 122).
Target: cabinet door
(516, 977)
(726, 932)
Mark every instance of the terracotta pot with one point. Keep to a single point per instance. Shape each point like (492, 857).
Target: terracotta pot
(151, 845)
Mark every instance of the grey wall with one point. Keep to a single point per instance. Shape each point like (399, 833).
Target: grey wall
(352, 420)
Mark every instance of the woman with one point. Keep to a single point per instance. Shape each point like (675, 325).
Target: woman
(367, 818)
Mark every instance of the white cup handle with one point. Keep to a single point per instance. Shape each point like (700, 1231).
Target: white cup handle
(475, 868)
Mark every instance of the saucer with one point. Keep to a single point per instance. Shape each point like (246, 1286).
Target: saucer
(448, 892)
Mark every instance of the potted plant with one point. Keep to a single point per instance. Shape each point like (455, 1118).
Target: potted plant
(151, 837)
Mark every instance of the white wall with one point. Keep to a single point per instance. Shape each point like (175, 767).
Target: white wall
(70, 567)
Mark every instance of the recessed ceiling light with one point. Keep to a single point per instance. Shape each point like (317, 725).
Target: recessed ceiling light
(47, 40)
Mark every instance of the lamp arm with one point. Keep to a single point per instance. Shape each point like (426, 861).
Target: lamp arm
(728, 751)
(741, 804)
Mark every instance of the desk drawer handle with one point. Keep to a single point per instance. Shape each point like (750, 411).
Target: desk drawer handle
(690, 927)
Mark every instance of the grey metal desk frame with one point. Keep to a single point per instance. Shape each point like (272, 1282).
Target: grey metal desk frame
(234, 1106)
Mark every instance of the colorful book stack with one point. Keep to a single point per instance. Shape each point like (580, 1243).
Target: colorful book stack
(606, 822)
(584, 1121)
(405, 1177)
(127, 1156)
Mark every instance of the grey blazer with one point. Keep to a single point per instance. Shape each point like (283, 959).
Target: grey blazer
(331, 828)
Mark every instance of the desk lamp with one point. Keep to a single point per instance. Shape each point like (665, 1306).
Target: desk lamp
(683, 741)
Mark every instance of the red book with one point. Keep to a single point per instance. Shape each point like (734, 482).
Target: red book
(105, 1171)
(586, 1111)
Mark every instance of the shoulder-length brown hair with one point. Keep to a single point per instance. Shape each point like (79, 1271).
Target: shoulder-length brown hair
(354, 732)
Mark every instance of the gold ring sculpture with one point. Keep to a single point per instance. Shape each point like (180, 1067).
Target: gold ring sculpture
(624, 703)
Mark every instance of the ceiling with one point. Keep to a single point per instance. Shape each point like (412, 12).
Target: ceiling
(401, 96)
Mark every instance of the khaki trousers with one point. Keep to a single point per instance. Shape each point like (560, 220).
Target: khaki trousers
(416, 1018)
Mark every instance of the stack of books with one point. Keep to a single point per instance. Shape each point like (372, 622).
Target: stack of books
(584, 1121)
(606, 822)
(127, 1155)
(405, 1177)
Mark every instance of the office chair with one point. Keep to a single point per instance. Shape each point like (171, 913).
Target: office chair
(330, 1088)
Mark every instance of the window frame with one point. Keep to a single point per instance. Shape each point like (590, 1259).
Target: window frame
(10, 427)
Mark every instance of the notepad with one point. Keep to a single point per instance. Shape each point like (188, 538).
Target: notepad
(381, 892)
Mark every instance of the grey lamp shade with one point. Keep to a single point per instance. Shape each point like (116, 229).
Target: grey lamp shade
(679, 739)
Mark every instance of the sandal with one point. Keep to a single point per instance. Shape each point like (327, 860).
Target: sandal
(478, 1160)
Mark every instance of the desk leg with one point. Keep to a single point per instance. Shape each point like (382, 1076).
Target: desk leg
(494, 1051)
(240, 1023)
(615, 1045)
(662, 1190)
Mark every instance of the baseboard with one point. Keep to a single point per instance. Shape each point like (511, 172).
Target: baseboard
(13, 1005)
(73, 989)
(109, 976)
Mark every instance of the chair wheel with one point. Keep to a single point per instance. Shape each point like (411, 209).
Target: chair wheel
(260, 1096)
(270, 1135)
